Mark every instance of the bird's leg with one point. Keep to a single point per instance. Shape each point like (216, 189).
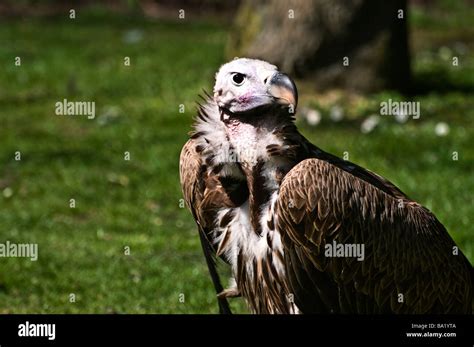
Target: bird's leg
(231, 292)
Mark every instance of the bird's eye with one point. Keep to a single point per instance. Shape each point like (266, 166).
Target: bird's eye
(238, 78)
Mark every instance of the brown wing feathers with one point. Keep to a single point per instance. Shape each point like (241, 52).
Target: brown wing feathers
(192, 174)
(407, 250)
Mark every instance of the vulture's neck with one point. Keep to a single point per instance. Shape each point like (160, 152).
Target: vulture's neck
(266, 150)
(257, 150)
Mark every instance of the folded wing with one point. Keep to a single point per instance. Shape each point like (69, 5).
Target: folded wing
(410, 263)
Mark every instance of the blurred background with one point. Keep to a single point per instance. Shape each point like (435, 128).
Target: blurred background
(144, 63)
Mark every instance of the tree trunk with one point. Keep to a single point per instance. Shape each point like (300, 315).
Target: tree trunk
(360, 45)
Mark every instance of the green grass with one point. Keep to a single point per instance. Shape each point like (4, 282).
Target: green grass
(136, 203)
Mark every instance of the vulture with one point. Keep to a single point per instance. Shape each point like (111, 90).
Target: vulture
(302, 230)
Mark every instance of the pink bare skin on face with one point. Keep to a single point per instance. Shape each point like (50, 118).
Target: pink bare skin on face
(243, 99)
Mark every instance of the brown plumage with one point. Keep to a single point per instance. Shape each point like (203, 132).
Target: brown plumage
(271, 205)
(408, 251)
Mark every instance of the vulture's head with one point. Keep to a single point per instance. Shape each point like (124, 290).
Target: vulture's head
(247, 85)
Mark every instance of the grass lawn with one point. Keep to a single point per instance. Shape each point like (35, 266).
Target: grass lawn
(136, 203)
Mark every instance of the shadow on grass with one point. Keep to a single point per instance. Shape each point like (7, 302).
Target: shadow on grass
(439, 79)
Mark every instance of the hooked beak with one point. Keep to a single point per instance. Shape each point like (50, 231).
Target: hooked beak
(283, 89)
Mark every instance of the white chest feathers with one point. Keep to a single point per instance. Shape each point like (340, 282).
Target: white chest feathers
(239, 237)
